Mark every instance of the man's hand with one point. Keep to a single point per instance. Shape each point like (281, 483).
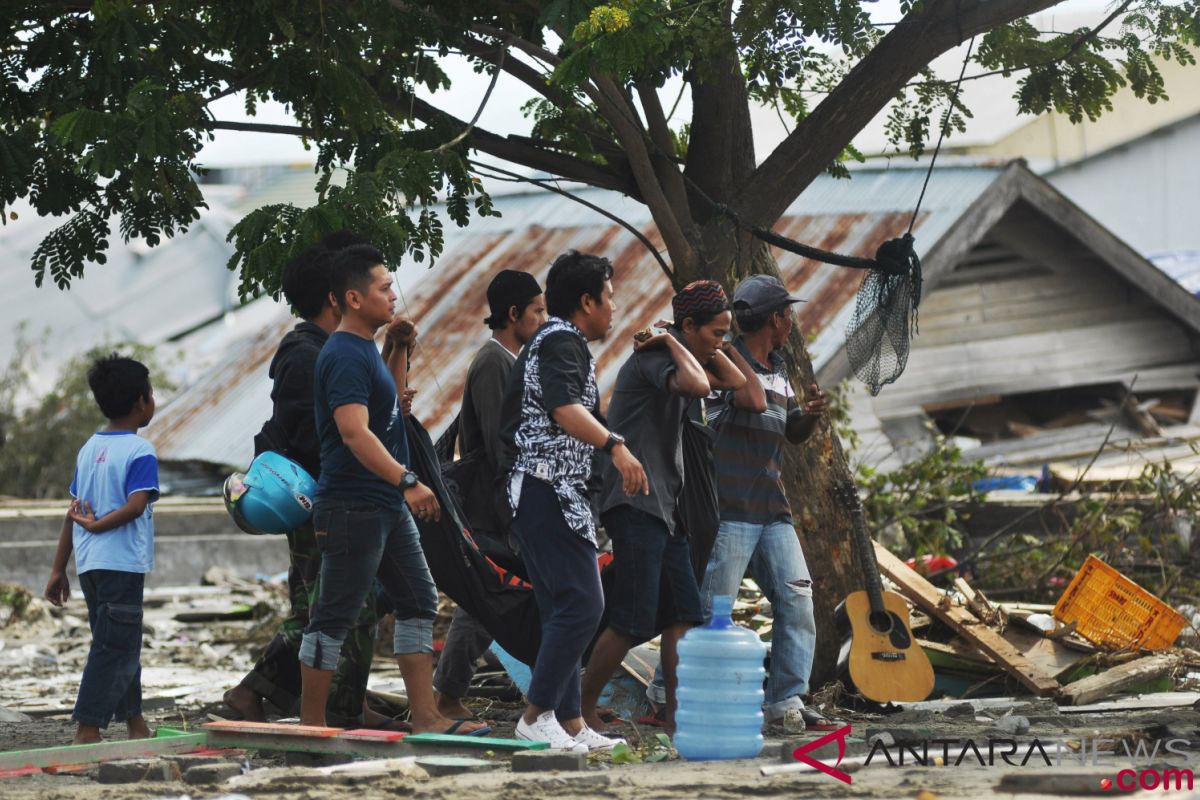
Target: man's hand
(58, 589)
(817, 404)
(402, 332)
(651, 341)
(631, 471)
(406, 401)
(81, 514)
(423, 504)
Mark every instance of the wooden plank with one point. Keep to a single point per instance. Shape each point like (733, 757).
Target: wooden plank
(929, 599)
(1138, 702)
(327, 745)
(166, 740)
(269, 728)
(1098, 687)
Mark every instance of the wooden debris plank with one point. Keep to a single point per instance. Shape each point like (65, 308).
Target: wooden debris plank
(472, 742)
(925, 595)
(1097, 687)
(167, 740)
(269, 728)
(1138, 702)
(373, 735)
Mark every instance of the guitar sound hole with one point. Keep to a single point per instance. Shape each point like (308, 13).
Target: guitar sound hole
(881, 622)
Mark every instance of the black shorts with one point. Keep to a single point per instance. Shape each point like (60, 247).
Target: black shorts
(650, 566)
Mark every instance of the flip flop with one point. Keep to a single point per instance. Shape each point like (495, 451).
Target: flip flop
(610, 717)
(658, 719)
(453, 729)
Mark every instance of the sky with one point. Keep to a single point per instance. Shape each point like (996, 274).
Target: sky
(989, 98)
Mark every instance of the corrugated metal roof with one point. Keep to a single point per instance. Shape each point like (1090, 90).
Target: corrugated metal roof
(139, 294)
(216, 418)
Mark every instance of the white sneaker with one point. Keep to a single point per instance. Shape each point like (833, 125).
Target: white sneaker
(596, 741)
(546, 729)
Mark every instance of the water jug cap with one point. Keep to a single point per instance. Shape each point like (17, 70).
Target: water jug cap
(722, 608)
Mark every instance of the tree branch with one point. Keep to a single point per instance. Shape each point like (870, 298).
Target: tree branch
(258, 127)
(518, 149)
(616, 110)
(864, 92)
(664, 147)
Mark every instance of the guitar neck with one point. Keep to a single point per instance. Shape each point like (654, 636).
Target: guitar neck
(866, 547)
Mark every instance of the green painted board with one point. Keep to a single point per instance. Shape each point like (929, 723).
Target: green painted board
(166, 740)
(472, 742)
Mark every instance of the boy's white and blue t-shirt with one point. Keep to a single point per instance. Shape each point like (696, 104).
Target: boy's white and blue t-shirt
(109, 468)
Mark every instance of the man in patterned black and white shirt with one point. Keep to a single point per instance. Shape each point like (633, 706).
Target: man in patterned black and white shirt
(551, 428)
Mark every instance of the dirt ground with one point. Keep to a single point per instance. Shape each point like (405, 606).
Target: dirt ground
(673, 778)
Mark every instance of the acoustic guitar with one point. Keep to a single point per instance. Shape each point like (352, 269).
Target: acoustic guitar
(884, 661)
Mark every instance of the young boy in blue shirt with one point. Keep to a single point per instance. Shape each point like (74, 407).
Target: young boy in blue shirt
(110, 529)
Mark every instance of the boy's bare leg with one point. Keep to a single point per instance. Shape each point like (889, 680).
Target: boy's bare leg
(417, 670)
(86, 734)
(138, 729)
(606, 656)
(314, 694)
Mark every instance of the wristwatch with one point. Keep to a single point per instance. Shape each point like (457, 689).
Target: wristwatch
(408, 481)
(614, 439)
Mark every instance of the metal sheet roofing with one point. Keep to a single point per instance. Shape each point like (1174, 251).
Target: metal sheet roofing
(215, 419)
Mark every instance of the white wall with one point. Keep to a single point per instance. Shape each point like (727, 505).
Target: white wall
(1147, 192)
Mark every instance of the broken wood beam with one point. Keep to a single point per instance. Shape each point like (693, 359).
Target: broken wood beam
(280, 737)
(1097, 687)
(165, 741)
(929, 599)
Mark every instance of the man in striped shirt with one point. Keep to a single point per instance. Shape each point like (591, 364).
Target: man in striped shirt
(757, 530)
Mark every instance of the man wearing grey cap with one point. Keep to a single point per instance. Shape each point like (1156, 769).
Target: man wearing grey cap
(757, 530)
(517, 311)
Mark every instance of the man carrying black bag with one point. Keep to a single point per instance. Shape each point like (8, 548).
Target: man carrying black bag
(517, 311)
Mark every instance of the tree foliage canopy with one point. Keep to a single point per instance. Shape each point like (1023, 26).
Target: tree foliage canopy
(104, 106)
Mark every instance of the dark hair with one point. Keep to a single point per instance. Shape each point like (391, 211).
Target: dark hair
(352, 270)
(306, 280)
(117, 383)
(499, 323)
(572, 275)
(340, 240)
(749, 323)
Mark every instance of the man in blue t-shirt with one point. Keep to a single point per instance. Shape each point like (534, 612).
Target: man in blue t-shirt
(365, 494)
(110, 528)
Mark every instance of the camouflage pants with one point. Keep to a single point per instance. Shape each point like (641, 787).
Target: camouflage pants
(276, 675)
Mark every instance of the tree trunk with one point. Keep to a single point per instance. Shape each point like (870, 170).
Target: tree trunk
(812, 469)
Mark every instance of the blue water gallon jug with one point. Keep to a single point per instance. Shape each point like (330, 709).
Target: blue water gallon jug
(720, 690)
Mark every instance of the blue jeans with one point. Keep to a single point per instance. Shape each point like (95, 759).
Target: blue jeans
(566, 584)
(359, 541)
(774, 557)
(111, 686)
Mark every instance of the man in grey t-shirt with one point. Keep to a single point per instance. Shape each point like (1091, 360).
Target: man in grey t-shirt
(517, 311)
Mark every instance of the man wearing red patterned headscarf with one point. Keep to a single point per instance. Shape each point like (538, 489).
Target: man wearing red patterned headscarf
(667, 373)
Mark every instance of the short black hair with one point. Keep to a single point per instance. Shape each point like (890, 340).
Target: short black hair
(572, 275)
(117, 384)
(306, 280)
(340, 240)
(352, 270)
(749, 323)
